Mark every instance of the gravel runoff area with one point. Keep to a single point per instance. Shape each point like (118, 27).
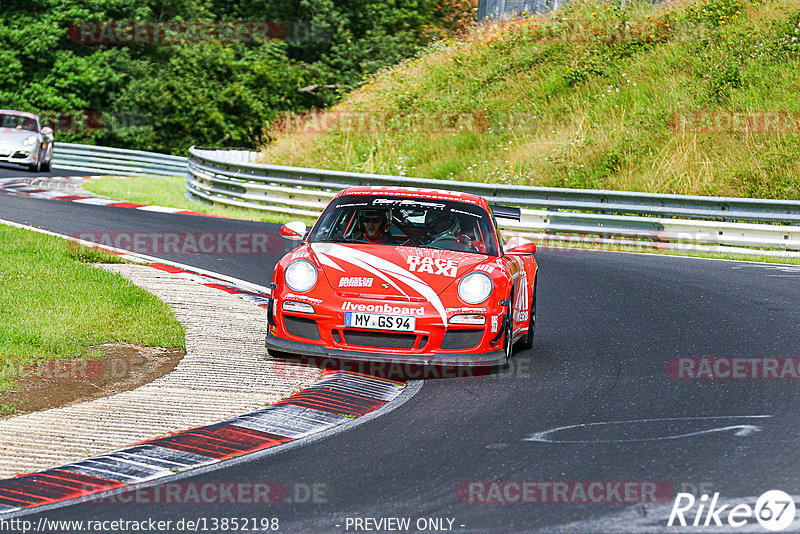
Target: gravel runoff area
(226, 372)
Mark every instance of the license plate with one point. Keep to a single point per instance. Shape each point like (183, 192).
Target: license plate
(400, 323)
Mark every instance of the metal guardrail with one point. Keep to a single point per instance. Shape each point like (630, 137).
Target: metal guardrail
(657, 218)
(105, 160)
(503, 9)
(233, 155)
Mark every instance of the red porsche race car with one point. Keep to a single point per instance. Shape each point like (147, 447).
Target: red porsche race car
(404, 275)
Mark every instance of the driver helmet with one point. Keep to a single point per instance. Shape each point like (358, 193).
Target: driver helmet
(440, 223)
(374, 223)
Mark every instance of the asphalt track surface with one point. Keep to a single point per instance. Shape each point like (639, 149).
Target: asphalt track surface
(12, 170)
(607, 326)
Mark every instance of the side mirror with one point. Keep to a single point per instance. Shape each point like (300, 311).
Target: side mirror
(47, 131)
(294, 231)
(527, 248)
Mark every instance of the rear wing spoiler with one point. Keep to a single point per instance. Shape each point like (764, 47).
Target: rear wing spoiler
(506, 212)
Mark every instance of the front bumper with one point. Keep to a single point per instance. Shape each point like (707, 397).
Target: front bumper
(486, 359)
(23, 156)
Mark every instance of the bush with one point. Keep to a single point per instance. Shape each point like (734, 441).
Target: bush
(167, 96)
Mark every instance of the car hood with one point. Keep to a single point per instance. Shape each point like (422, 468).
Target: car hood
(411, 274)
(12, 134)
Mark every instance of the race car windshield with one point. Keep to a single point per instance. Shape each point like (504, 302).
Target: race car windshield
(18, 122)
(413, 222)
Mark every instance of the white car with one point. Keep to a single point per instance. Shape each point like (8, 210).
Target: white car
(24, 141)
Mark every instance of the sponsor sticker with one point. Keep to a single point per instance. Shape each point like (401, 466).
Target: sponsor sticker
(459, 311)
(355, 281)
(302, 298)
(435, 266)
(383, 308)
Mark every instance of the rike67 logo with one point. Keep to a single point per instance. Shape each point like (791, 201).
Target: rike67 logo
(774, 510)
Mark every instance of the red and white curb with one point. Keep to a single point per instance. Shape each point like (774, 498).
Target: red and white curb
(26, 187)
(244, 290)
(338, 398)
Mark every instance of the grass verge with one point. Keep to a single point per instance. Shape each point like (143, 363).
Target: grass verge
(54, 306)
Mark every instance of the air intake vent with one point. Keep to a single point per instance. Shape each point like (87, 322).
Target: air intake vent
(461, 339)
(301, 327)
(379, 339)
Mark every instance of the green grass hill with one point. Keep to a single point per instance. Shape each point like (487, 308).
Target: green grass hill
(698, 97)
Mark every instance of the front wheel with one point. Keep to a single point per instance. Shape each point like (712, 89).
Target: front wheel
(527, 340)
(508, 338)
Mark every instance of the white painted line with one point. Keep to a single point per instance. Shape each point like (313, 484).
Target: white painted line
(95, 201)
(48, 194)
(160, 209)
(741, 430)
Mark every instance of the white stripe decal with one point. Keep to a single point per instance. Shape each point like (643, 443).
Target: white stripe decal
(325, 260)
(382, 268)
(358, 262)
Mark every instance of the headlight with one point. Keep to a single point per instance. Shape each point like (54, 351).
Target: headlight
(475, 288)
(301, 307)
(467, 319)
(300, 275)
(31, 139)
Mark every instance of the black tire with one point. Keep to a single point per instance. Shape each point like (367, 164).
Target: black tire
(46, 167)
(36, 167)
(508, 337)
(527, 340)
